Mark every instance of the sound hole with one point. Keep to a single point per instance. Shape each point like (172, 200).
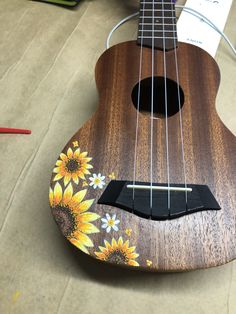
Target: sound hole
(159, 98)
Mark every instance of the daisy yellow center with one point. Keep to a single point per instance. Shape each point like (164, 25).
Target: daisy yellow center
(97, 181)
(110, 222)
(117, 257)
(65, 219)
(72, 165)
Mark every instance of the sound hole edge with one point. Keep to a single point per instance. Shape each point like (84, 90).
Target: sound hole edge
(174, 100)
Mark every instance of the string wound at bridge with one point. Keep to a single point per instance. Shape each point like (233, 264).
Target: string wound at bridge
(159, 188)
(120, 194)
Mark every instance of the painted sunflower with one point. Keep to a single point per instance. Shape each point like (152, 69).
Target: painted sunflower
(72, 165)
(70, 213)
(118, 252)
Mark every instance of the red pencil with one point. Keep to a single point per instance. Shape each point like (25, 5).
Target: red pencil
(16, 131)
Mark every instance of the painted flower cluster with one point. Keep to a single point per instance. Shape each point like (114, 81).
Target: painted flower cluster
(75, 166)
(71, 208)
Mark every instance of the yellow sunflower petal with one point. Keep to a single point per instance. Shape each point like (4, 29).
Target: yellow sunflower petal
(84, 171)
(84, 206)
(131, 249)
(133, 263)
(81, 175)
(84, 154)
(88, 228)
(51, 197)
(79, 196)
(120, 242)
(57, 177)
(100, 255)
(56, 170)
(58, 163)
(77, 153)
(57, 195)
(87, 166)
(132, 255)
(79, 245)
(126, 245)
(83, 238)
(107, 245)
(85, 160)
(67, 178)
(68, 194)
(103, 250)
(63, 170)
(63, 156)
(88, 217)
(75, 178)
(70, 153)
(114, 243)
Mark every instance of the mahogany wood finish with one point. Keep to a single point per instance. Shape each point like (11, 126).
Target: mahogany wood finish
(199, 240)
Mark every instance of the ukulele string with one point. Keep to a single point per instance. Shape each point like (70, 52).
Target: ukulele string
(152, 103)
(166, 108)
(138, 105)
(179, 103)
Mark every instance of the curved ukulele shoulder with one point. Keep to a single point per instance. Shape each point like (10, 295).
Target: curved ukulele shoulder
(198, 56)
(211, 68)
(101, 151)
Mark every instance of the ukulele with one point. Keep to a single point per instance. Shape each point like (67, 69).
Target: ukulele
(149, 181)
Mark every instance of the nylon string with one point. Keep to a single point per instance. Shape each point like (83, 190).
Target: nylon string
(166, 111)
(180, 111)
(152, 104)
(138, 107)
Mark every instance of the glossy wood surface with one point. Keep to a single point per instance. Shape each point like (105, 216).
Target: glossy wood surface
(199, 240)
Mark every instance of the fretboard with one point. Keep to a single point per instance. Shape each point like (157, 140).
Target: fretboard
(157, 24)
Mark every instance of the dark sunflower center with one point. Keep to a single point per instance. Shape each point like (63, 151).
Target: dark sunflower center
(65, 219)
(72, 165)
(117, 257)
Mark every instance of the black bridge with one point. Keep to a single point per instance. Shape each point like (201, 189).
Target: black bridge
(117, 194)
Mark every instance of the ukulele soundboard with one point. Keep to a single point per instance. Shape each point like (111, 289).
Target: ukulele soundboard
(148, 182)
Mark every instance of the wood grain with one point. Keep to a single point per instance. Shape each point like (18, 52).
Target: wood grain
(199, 240)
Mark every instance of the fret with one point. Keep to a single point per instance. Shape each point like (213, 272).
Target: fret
(157, 22)
(151, 10)
(154, 17)
(151, 37)
(157, 31)
(158, 2)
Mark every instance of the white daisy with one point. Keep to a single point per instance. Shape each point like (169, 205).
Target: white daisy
(110, 223)
(97, 181)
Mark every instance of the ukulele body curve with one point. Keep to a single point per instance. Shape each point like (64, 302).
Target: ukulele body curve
(103, 150)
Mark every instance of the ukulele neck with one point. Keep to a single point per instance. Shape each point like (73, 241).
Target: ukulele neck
(157, 24)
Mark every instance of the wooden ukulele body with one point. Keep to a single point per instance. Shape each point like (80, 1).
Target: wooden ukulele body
(198, 240)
